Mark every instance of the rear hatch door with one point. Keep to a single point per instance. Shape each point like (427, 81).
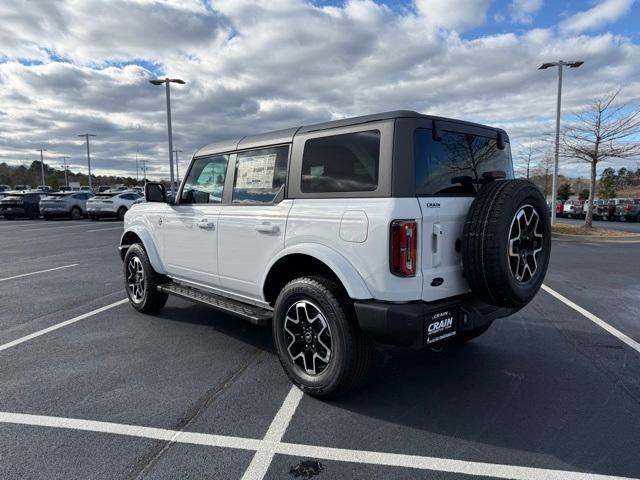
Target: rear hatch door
(449, 169)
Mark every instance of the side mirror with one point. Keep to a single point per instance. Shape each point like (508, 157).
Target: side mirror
(155, 192)
(500, 141)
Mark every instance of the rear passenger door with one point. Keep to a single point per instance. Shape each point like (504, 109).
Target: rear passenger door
(252, 224)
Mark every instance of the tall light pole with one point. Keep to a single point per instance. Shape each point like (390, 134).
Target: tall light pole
(66, 170)
(177, 173)
(44, 184)
(137, 179)
(554, 183)
(167, 81)
(87, 135)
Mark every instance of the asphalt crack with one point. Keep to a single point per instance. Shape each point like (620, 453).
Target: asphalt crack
(147, 462)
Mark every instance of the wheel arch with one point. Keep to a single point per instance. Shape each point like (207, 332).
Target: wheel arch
(311, 259)
(136, 234)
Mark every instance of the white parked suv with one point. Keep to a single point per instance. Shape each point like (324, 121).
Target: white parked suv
(111, 204)
(399, 228)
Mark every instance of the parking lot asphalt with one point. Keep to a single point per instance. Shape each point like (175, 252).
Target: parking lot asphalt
(192, 393)
(633, 227)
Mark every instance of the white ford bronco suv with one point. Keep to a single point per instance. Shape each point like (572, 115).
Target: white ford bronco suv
(400, 228)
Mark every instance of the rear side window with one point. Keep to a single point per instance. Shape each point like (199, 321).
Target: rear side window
(341, 163)
(260, 175)
(205, 181)
(456, 164)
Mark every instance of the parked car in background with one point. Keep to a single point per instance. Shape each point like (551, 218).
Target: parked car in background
(20, 204)
(22, 187)
(629, 211)
(559, 208)
(4, 188)
(44, 188)
(65, 204)
(572, 209)
(609, 210)
(111, 204)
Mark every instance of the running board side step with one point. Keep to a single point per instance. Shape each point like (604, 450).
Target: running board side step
(255, 315)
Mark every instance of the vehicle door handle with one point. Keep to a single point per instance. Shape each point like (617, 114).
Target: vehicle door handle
(436, 245)
(206, 224)
(267, 227)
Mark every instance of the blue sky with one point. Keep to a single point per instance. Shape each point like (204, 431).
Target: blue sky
(260, 65)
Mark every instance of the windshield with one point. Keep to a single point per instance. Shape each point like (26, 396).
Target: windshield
(458, 163)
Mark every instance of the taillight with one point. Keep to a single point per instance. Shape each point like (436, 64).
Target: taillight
(629, 207)
(404, 241)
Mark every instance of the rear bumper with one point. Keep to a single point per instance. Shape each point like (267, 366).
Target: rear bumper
(404, 324)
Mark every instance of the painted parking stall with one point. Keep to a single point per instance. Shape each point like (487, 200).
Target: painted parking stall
(194, 392)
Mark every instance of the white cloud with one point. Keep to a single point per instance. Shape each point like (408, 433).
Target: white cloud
(257, 66)
(523, 11)
(604, 13)
(454, 14)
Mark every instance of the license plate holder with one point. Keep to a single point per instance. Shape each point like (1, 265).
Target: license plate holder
(441, 325)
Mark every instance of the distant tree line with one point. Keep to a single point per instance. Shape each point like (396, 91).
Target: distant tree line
(611, 182)
(32, 175)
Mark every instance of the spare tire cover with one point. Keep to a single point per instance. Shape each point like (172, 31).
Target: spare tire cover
(506, 243)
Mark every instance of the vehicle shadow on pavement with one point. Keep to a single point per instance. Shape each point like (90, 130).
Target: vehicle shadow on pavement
(514, 396)
(237, 328)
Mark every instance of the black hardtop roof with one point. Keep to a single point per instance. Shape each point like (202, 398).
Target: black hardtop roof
(286, 136)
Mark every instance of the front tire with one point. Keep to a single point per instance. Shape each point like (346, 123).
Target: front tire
(318, 341)
(141, 281)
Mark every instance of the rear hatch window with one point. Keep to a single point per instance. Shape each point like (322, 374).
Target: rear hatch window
(457, 164)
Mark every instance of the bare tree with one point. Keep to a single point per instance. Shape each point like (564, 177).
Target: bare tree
(603, 132)
(526, 159)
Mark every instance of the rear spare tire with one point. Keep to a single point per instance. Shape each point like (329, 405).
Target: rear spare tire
(506, 243)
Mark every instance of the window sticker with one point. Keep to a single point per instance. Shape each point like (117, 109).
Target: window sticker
(256, 172)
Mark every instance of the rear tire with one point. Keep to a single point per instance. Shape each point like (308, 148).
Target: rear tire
(318, 341)
(121, 212)
(94, 218)
(76, 213)
(9, 217)
(141, 281)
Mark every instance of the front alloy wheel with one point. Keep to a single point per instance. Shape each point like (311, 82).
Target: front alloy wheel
(526, 241)
(308, 337)
(135, 279)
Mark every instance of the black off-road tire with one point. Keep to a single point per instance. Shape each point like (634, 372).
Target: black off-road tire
(9, 217)
(94, 218)
(121, 213)
(150, 300)
(33, 214)
(486, 239)
(351, 349)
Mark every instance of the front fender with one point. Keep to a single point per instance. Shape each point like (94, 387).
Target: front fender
(344, 270)
(148, 244)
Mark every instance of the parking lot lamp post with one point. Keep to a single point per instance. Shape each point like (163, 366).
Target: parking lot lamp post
(554, 183)
(87, 135)
(177, 172)
(42, 164)
(166, 82)
(66, 170)
(137, 178)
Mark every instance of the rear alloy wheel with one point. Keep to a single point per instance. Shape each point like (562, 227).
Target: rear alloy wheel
(121, 212)
(141, 281)
(318, 341)
(33, 214)
(76, 213)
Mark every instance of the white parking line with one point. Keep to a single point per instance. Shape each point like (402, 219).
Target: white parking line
(598, 321)
(47, 227)
(108, 228)
(61, 324)
(39, 271)
(264, 455)
(277, 428)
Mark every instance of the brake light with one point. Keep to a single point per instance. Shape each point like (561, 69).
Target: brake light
(629, 207)
(404, 241)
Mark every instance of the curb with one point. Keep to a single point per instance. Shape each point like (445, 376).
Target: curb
(575, 238)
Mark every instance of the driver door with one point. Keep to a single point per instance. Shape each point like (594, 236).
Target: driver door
(191, 226)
